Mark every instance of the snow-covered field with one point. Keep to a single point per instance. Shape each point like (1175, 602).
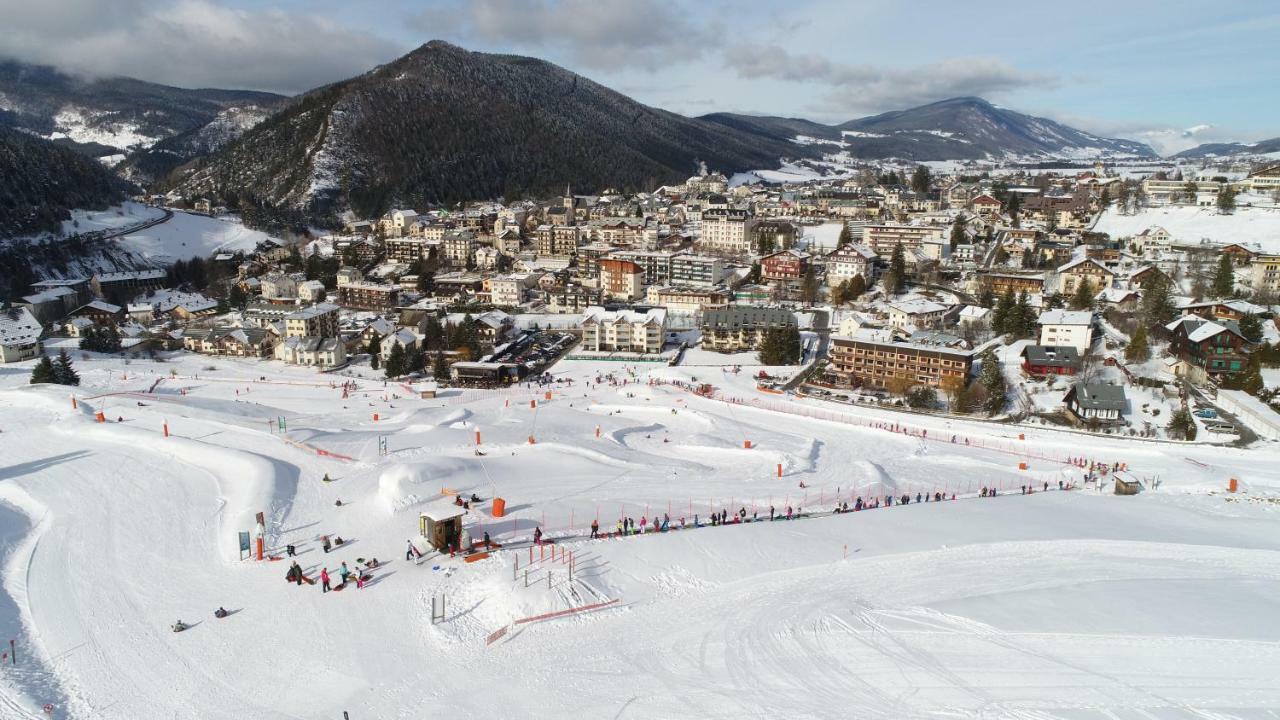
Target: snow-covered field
(1073, 604)
(1260, 225)
(184, 236)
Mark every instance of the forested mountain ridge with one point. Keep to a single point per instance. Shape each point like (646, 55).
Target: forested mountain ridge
(443, 124)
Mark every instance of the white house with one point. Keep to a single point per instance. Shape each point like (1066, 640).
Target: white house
(919, 313)
(279, 287)
(850, 261)
(19, 335)
(971, 314)
(624, 330)
(311, 291)
(312, 351)
(403, 337)
(1073, 328)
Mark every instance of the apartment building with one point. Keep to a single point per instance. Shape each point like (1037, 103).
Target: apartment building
(638, 330)
(406, 249)
(728, 230)
(318, 320)
(875, 359)
(1265, 272)
(742, 327)
(850, 261)
(1067, 328)
(368, 296)
(458, 247)
(882, 239)
(558, 239)
(687, 300)
(695, 270)
(621, 279)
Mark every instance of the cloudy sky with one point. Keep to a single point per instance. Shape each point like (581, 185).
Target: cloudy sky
(1169, 73)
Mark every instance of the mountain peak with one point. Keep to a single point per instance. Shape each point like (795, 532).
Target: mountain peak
(439, 46)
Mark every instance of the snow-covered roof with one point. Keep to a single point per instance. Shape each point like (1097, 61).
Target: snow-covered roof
(1081, 261)
(314, 311)
(442, 510)
(18, 326)
(917, 306)
(1066, 317)
(55, 293)
(597, 314)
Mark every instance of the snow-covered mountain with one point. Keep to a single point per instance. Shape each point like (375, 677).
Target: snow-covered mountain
(1209, 150)
(957, 129)
(110, 116)
(157, 161)
(443, 124)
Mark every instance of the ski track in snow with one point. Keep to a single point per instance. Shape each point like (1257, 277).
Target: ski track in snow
(1059, 605)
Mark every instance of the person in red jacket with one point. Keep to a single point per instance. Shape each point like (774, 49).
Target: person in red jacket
(324, 580)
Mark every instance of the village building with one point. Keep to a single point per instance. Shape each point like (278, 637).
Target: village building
(1072, 328)
(1096, 403)
(311, 291)
(1046, 360)
(318, 320)
(876, 359)
(728, 231)
(741, 327)
(621, 279)
(693, 270)
(368, 296)
(19, 335)
(918, 313)
(321, 352)
(638, 330)
(122, 285)
(850, 261)
(687, 300)
(234, 342)
(784, 266)
(1265, 273)
(1081, 270)
(1002, 284)
(882, 239)
(1205, 348)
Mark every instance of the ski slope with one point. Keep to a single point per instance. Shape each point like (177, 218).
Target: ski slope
(1075, 604)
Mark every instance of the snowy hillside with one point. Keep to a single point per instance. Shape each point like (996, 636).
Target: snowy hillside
(1257, 225)
(185, 236)
(1061, 604)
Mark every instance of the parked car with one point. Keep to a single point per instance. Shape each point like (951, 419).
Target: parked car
(1206, 413)
(1223, 428)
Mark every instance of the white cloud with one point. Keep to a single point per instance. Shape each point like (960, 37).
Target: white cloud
(647, 34)
(192, 43)
(860, 89)
(1165, 139)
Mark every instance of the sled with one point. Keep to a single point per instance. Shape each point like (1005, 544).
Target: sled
(274, 558)
(475, 556)
(308, 580)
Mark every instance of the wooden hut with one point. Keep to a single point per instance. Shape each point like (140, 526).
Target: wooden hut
(441, 524)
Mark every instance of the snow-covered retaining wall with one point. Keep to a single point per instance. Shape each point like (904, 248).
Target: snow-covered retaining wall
(1252, 412)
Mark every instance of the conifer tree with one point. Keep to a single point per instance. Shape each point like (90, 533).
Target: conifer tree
(43, 372)
(1224, 278)
(64, 373)
(1139, 348)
